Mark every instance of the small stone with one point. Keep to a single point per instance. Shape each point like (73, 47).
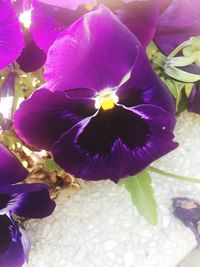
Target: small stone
(146, 233)
(109, 245)
(165, 221)
(129, 259)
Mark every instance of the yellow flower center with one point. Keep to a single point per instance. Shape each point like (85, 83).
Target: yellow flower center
(107, 104)
(106, 100)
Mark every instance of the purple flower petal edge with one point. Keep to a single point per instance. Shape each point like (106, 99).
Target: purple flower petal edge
(12, 252)
(188, 212)
(194, 99)
(11, 170)
(99, 65)
(28, 200)
(11, 36)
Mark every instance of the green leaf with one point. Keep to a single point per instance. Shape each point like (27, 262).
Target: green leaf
(181, 75)
(182, 60)
(183, 102)
(51, 165)
(188, 88)
(193, 48)
(141, 191)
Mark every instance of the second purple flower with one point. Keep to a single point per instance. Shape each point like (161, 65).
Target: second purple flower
(104, 113)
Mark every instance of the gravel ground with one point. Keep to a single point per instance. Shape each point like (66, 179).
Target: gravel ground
(99, 227)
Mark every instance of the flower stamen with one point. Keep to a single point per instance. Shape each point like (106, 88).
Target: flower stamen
(106, 100)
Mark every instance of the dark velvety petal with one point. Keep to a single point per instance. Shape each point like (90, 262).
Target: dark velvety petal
(80, 57)
(179, 21)
(11, 248)
(141, 17)
(11, 170)
(145, 87)
(27, 200)
(6, 102)
(42, 118)
(188, 212)
(50, 20)
(194, 99)
(115, 143)
(11, 37)
(32, 57)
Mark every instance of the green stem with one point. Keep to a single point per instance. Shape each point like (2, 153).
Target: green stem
(174, 176)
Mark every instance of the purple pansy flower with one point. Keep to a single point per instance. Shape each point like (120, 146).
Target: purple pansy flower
(11, 36)
(27, 200)
(50, 18)
(106, 114)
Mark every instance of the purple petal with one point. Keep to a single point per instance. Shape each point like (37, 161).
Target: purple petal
(6, 102)
(141, 17)
(11, 36)
(81, 93)
(49, 18)
(48, 21)
(11, 248)
(115, 143)
(145, 87)
(42, 118)
(178, 23)
(81, 58)
(27, 200)
(70, 4)
(194, 99)
(11, 170)
(188, 212)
